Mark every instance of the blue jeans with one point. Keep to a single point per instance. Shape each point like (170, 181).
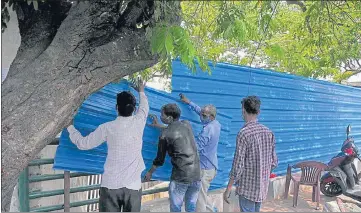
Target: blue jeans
(179, 192)
(248, 206)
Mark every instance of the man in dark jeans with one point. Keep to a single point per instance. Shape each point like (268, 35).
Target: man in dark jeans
(178, 140)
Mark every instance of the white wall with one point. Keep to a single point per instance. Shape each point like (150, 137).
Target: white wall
(10, 42)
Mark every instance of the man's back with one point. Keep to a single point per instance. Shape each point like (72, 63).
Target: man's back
(124, 140)
(257, 145)
(181, 147)
(124, 163)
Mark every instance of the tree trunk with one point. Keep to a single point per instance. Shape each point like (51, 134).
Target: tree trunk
(46, 86)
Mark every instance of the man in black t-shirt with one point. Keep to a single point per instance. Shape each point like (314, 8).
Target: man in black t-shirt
(178, 140)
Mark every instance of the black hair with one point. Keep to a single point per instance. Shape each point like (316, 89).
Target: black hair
(172, 110)
(126, 103)
(252, 104)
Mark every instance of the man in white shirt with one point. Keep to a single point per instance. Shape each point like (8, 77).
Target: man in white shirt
(121, 181)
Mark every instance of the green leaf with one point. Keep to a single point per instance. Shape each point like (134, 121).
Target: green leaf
(35, 3)
(157, 42)
(277, 50)
(241, 30)
(265, 20)
(245, 61)
(169, 43)
(228, 32)
(311, 8)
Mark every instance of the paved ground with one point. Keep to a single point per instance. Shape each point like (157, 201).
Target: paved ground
(305, 204)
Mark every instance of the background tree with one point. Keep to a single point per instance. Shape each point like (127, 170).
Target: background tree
(319, 39)
(69, 49)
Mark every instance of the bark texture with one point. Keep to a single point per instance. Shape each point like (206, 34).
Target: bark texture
(67, 52)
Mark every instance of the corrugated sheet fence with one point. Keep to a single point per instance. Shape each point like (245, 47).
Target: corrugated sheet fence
(309, 117)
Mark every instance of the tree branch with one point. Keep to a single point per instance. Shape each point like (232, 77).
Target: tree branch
(299, 3)
(303, 7)
(354, 72)
(347, 14)
(135, 13)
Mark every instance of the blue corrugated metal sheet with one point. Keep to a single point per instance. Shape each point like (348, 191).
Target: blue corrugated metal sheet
(100, 108)
(309, 117)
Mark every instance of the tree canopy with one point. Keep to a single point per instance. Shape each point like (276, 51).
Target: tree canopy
(319, 39)
(307, 38)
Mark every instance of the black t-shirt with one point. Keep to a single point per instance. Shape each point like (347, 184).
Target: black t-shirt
(178, 140)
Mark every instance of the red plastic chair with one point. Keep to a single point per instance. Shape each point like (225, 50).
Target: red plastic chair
(310, 176)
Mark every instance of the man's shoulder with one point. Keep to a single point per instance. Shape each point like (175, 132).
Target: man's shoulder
(175, 126)
(214, 125)
(263, 128)
(186, 122)
(116, 121)
(218, 124)
(108, 124)
(254, 128)
(119, 121)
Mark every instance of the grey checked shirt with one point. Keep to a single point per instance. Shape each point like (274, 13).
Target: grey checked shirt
(254, 159)
(124, 136)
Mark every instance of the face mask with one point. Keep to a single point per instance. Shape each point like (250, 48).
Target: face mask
(205, 119)
(166, 119)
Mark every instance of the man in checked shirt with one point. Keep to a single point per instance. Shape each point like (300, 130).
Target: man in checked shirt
(254, 159)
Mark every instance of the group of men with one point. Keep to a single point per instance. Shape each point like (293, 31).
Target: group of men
(194, 158)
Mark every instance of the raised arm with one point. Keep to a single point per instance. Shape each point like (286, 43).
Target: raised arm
(192, 105)
(93, 140)
(143, 109)
(195, 108)
(155, 122)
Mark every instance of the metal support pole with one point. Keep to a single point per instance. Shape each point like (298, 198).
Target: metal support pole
(23, 190)
(66, 191)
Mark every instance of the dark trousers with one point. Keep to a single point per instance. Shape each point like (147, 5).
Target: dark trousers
(119, 200)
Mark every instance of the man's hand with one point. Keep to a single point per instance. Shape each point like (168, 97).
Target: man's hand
(139, 86)
(148, 176)
(154, 120)
(226, 195)
(184, 99)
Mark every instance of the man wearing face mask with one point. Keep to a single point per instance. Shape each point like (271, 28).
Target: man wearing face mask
(178, 140)
(207, 143)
